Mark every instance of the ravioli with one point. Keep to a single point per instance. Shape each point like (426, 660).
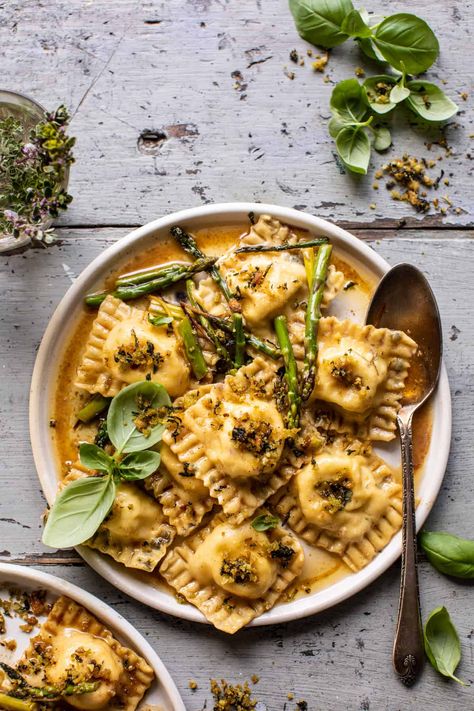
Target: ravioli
(136, 532)
(124, 347)
(362, 372)
(345, 499)
(74, 647)
(233, 439)
(233, 573)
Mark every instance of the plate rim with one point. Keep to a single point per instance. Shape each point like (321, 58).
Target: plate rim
(107, 568)
(111, 618)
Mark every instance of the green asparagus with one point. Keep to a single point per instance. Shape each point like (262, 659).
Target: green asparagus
(188, 243)
(144, 275)
(94, 407)
(313, 315)
(11, 704)
(210, 332)
(134, 291)
(192, 348)
(291, 372)
(285, 247)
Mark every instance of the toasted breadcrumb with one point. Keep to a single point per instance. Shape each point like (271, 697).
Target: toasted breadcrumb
(231, 698)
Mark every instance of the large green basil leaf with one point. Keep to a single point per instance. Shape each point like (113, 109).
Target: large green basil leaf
(348, 102)
(406, 42)
(319, 21)
(353, 146)
(93, 457)
(449, 554)
(78, 511)
(354, 26)
(370, 50)
(378, 89)
(428, 101)
(442, 645)
(139, 465)
(124, 410)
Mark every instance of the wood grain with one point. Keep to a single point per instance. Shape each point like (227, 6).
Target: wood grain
(338, 660)
(207, 79)
(180, 103)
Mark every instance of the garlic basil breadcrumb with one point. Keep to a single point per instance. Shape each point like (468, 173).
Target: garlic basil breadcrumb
(227, 419)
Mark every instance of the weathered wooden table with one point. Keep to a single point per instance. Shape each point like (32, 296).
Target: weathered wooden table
(188, 101)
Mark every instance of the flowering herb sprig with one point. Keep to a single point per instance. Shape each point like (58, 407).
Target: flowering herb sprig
(32, 174)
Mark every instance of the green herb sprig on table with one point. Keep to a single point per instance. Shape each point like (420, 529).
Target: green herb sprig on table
(135, 423)
(32, 174)
(405, 43)
(442, 645)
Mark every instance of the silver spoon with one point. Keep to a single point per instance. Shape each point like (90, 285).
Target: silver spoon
(404, 301)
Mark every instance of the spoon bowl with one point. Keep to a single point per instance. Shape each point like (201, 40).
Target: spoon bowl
(405, 302)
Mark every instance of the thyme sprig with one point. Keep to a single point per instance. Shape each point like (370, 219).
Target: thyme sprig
(32, 173)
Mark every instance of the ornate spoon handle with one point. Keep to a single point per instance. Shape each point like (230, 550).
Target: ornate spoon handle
(408, 648)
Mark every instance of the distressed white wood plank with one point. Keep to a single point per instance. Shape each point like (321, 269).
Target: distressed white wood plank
(337, 660)
(127, 66)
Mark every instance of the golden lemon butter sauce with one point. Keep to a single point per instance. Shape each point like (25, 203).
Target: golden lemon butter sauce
(321, 569)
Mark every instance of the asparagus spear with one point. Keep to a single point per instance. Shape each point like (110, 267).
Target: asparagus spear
(144, 275)
(239, 340)
(192, 348)
(226, 325)
(285, 247)
(188, 243)
(185, 330)
(94, 407)
(313, 315)
(134, 291)
(291, 371)
(221, 350)
(11, 704)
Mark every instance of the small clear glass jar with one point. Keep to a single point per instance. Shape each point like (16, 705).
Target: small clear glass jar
(29, 113)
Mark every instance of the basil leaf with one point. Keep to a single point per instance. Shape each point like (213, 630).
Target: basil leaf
(353, 146)
(382, 138)
(428, 101)
(159, 320)
(354, 26)
(406, 42)
(124, 410)
(265, 522)
(93, 457)
(370, 50)
(348, 102)
(378, 92)
(442, 645)
(78, 511)
(399, 94)
(139, 465)
(335, 125)
(319, 21)
(449, 554)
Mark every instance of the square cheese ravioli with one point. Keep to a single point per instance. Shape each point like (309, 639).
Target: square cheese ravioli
(346, 499)
(231, 572)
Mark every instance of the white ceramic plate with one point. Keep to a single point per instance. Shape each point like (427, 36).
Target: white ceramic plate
(162, 693)
(369, 265)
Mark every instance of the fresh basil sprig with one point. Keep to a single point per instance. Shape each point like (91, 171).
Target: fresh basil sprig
(449, 554)
(352, 126)
(135, 423)
(442, 645)
(403, 40)
(320, 21)
(265, 522)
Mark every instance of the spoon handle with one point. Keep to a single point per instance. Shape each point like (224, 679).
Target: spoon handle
(408, 648)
